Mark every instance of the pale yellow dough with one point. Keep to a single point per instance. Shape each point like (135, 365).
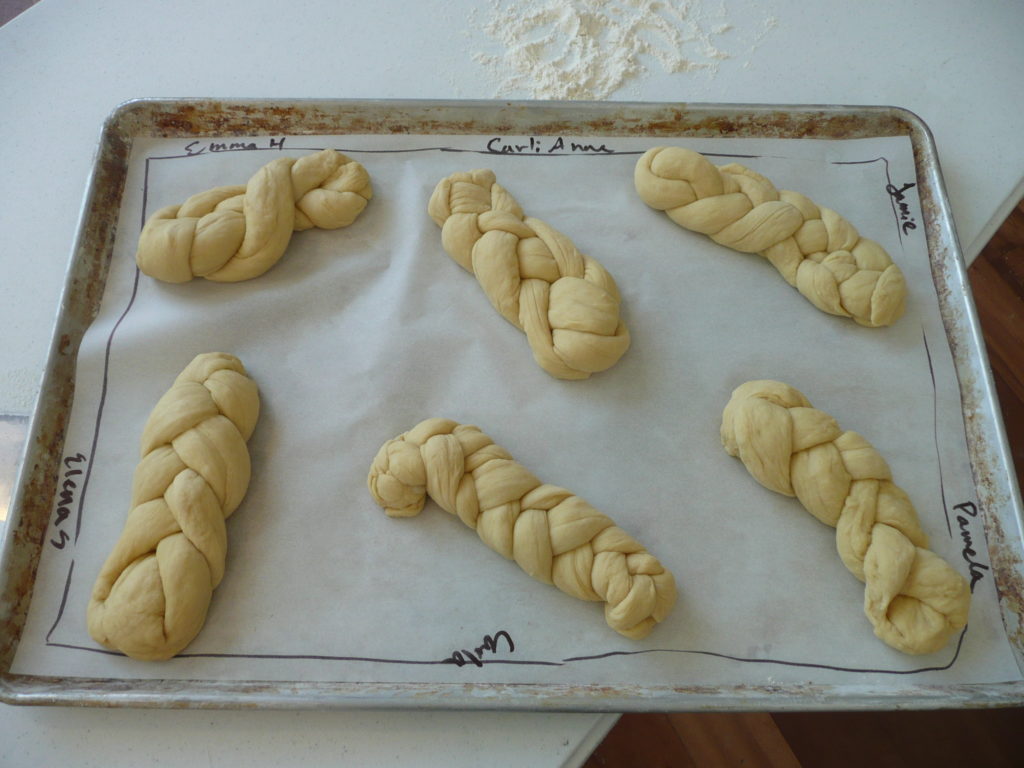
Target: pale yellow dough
(553, 535)
(237, 233)
(815, 249)
(914, 599)
(565, 302)
(151, 596)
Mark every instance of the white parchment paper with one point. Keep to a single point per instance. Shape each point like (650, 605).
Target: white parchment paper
(358, 334)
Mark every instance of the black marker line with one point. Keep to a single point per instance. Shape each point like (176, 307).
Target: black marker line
(492, 153)
(569, 660)
(304, 657)
(407, 661)
(781, 662)
(857, 162)
(145, 192)
(481, 662)
(103, 651)
(103, 399)
(935, 430)
(398, 151)
(63, 602)
(306, 149)
(308, 657)
(371, 659)
(745, 157)
(579, 154)
(282, 656)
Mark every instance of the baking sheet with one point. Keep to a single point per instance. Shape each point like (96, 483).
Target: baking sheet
(358, 334)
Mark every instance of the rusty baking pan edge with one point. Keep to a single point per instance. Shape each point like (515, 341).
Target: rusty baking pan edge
(203, 694)
(35, 489)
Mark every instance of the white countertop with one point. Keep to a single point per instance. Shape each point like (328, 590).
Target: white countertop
(65, 65)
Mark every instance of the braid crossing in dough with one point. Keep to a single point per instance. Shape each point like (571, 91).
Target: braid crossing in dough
(151, 596)
(237, 233)
(914, 599)
(815, 249)
(553, 535)
(565, 302)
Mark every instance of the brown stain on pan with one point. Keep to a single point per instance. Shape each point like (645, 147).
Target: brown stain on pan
(227, 118)
(989, 471)
(31, 526)
(1006, 570)
(775, 124)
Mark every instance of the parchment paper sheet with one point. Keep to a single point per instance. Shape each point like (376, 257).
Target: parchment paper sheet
(358, 334)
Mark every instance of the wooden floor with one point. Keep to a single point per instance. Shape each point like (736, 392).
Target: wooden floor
(981, 738)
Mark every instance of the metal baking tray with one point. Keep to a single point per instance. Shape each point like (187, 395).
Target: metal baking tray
(36, 487)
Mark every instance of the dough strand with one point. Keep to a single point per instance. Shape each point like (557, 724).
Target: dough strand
(914, 599)
(237, 233)
(553, 535)
(152, 593)
(566, 303)
(815, 249)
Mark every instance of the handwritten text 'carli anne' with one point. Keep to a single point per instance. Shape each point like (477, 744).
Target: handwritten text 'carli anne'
(548, 145)
(245, 145)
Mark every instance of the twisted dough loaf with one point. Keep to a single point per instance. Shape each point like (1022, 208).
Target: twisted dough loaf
(151, 596)
(554, 536)
(565, 302)
(237, 233)
(913, 597)
(815, 249)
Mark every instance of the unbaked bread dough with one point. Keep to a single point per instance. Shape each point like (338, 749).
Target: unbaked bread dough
(151, 596)
(815, 249)
(553, 535)
(237, 233)
(914, 599)
(565, 302)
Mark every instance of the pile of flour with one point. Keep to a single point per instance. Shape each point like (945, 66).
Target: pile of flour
(588, 49)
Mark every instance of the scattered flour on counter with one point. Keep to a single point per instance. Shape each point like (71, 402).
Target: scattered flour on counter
(588, 49)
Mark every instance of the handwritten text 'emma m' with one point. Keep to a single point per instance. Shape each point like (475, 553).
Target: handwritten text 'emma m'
(202, 147)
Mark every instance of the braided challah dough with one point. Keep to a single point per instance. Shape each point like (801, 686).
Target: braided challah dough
(914, 599)
(565, 302)
(553, 535)
(151, 596)
(237, 233)
(815, 249)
